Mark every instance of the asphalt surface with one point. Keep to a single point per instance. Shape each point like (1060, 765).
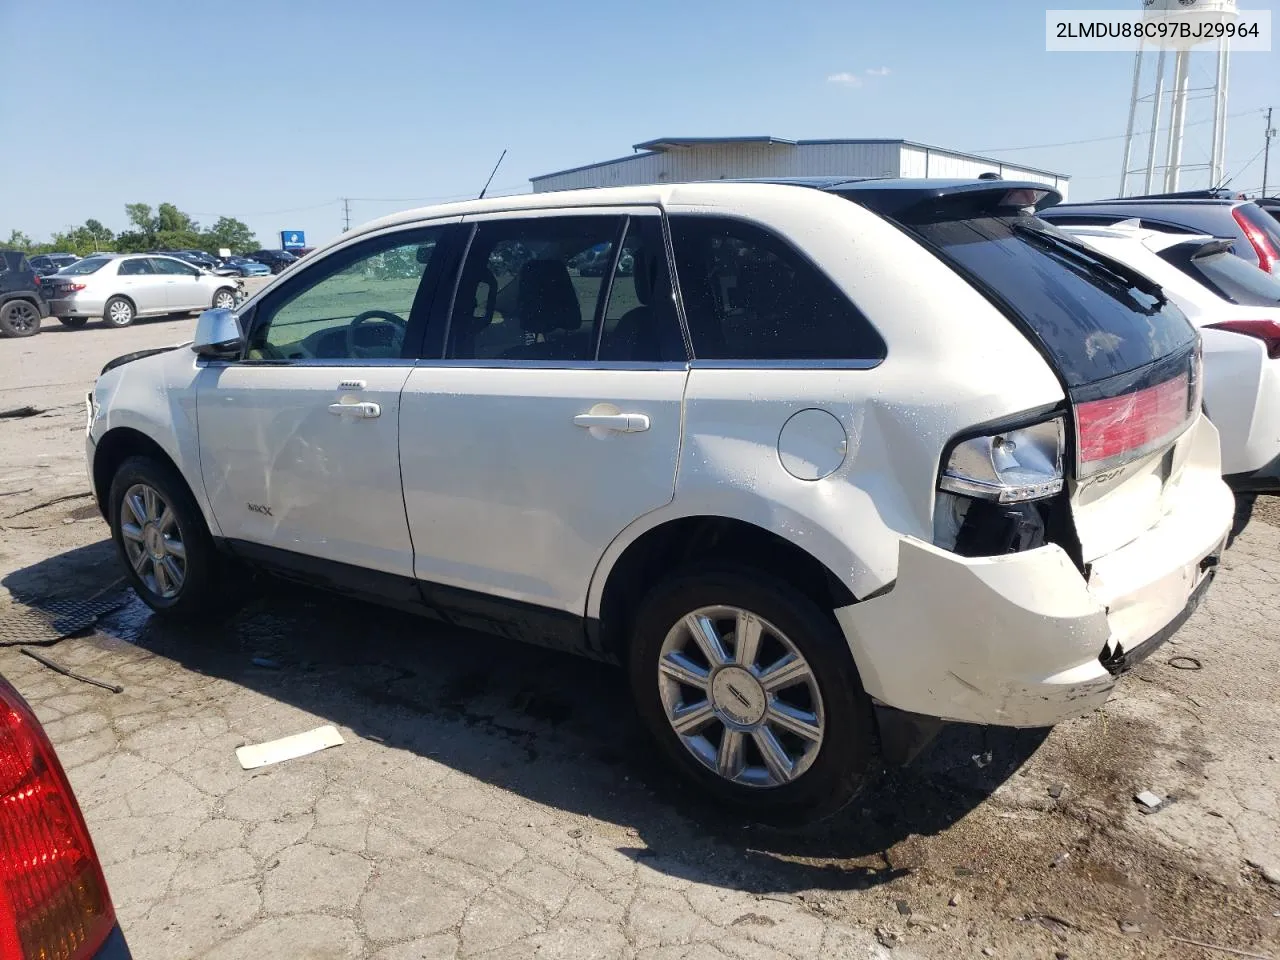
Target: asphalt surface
(498, 801)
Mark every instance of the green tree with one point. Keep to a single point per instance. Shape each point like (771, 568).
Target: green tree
(19, 241)
(169, 219)
(230, 233)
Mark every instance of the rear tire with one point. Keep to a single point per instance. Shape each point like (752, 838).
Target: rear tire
(118, 312)
(224, 299)
(794, 751)
(19, 318)
(75, 323)
(164, 544)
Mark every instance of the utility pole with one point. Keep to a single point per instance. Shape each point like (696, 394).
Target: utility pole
(346, 214)
(1266, 151)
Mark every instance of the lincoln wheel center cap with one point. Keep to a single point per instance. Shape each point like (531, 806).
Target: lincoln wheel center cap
(154, 541)
(738, 697)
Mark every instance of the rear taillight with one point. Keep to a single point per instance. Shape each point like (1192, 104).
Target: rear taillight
(1268, 255)
(55, 904)
(1117, 430)
(73, 287)
(1268, 331)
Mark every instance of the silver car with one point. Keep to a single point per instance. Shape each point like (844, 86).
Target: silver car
(120, 287)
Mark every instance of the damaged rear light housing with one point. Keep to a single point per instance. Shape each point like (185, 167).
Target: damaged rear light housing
(1001, 491)
(1009, 467)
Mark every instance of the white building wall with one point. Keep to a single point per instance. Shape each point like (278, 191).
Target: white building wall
(718, 161)
(927, 162)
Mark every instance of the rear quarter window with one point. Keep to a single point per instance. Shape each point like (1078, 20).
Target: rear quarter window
(749, 295)
(1090, 319)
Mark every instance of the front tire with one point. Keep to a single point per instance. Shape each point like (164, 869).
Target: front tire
(75, 323)
(118, 312)
(19, 318)
(163, 541)
(224, 299)
(750, 690)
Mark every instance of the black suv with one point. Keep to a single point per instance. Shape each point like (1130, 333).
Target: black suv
(277, 260)
(21, 305)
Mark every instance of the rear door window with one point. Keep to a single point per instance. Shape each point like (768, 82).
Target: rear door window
(137, 267)
(531, 288)
(1096, 318)
(749, 295)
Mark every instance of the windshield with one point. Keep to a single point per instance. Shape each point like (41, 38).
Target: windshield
(91, 265)
(1096, 318)
(1237, 280)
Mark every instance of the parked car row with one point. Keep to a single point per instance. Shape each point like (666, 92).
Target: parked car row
(823, 464)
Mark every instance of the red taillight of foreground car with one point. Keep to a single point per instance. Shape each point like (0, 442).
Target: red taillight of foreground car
(73, 287)
(1268, 255)
(1123, 428)
(54, 903)
(1268, 331)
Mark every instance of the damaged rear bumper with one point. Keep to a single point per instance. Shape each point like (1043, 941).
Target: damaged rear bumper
(1023, 640)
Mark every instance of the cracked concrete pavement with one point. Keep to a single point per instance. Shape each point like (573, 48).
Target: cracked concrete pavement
(498, 801)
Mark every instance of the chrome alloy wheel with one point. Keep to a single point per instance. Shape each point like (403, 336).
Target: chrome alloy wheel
(224, 300)
(153, 541)
(740, 696)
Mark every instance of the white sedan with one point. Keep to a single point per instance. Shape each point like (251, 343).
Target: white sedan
(122, 287)
(1237, 308)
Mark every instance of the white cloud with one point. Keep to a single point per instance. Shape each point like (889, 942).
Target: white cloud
(878, 71)
(845, 79)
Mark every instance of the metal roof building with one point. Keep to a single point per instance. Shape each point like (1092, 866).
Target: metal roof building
(677, 159)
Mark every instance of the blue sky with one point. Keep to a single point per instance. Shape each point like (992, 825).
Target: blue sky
(272, 111)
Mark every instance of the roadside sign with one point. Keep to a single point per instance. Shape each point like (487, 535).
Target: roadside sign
(292, 239)
(224, 252)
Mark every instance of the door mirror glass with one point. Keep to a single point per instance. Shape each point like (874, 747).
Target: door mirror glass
(218, 335)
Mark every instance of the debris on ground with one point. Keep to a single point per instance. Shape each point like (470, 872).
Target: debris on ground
(904, 908)
(954, 901)
(982, 759)
(289, 748)
(1129, 928)
(266, 663)
(1055, 790)
(1185, 663)
(1150, 801)
(20, 413)
(66, 672)
(1060, 860)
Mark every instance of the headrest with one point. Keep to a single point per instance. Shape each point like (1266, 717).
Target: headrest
(546, 299)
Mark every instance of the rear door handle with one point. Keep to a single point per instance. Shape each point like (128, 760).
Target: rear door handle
(363, 410)
(621, 422)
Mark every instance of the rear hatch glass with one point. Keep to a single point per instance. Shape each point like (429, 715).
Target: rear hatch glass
(1095, 318)
(1229, 276)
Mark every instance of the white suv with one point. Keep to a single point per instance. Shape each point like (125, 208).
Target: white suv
(825, 458)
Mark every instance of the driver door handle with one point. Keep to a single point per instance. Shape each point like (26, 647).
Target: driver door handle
(364, 410)
(621, 422)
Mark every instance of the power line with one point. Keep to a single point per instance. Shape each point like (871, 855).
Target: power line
(1076, 143)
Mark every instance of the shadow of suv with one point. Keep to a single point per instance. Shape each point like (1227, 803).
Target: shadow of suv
(21, 305)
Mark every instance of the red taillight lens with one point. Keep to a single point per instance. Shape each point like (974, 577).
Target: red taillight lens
(73, 287)
(1268, 331)
(54, 903)
(1119, 429)
(1268, 255)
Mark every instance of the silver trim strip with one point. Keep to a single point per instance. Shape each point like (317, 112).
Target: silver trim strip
(785, 364)
(499, 364)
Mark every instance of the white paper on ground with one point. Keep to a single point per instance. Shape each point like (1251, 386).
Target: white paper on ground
(288, 748)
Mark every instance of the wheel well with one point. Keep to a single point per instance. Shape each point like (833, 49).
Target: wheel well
(689, 540)
(25, 298)
(121, 296)
(117, 446)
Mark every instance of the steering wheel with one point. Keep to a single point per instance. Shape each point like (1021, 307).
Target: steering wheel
(398, 323)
